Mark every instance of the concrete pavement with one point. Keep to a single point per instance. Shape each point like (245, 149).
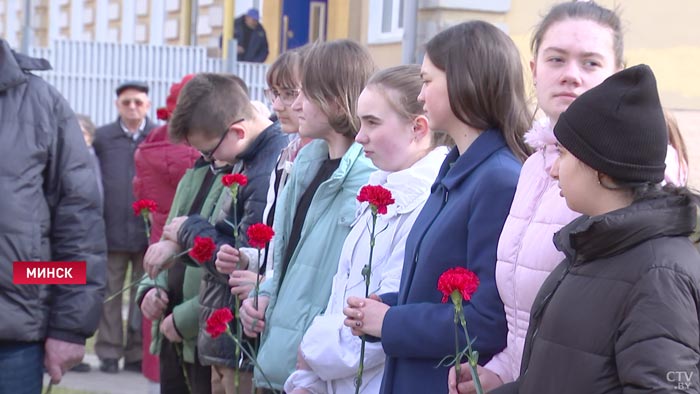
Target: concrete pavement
(98, 382)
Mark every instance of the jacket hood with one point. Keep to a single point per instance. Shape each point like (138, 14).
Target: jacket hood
(588, 238)
(541, 134)
(13, 65)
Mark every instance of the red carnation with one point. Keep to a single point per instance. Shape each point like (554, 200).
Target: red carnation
(203, 249)
(377, 196)
(231, 179)
(458, 279)
(217, 323)
(162, 113)
(141, 205)
(259, 235)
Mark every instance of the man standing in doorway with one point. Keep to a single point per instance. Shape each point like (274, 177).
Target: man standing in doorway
(251, 37)
(115, 145)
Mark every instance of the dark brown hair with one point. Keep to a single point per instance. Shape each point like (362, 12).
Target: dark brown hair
(401, 86)
(208, 104)
(484, 80)
(334, 75)
(585, 10)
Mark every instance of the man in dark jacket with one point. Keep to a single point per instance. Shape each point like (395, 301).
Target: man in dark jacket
(251, 37)
(51, 211)
(115, 145)
(214, 115)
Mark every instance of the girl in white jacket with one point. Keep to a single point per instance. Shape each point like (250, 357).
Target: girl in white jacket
(395, 136)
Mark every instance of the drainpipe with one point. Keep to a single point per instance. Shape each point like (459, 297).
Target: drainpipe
(410, 21)
(27, 28)
(228, 29)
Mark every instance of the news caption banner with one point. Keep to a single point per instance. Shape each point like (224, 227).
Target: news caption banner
(49, 272)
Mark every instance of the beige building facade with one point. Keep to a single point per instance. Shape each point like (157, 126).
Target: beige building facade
(664, 35)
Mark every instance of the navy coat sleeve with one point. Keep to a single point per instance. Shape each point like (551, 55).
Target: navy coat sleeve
(420, 330)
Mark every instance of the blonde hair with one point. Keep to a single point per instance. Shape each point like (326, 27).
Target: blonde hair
(401, 86)
(334, 75)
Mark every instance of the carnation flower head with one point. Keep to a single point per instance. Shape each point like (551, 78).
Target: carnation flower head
(259, 235)
(378, 197)
(458, 279)
(203, 249)
(217, 323)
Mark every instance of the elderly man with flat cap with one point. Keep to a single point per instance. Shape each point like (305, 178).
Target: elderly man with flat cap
(115, 144)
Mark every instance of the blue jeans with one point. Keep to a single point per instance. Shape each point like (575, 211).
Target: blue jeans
(21, 367)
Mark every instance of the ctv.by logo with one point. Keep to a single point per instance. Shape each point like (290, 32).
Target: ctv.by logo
(680, 379)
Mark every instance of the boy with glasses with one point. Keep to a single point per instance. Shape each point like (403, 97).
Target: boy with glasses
(215, 116)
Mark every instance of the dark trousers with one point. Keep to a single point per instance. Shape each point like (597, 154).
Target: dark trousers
(172, 377)
(21, 367)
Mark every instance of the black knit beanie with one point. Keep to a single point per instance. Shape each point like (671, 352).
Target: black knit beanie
(618, 127)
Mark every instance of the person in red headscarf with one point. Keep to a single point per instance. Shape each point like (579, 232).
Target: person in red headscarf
(159, 166)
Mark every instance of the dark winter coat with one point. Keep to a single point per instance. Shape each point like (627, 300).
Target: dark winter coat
(126, 232)
(257, 48)
(50, 209)
(621, 313)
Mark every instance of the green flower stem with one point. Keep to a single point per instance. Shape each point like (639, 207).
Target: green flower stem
(367, 273)
(144, 215)
(472, 356)
(239, 327)
(458, 358)
(253, 359)
(239, 340)
(136, 282)
(257, 281)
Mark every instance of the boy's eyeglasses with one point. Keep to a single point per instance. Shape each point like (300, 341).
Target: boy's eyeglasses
(209, 155)
(287, 96)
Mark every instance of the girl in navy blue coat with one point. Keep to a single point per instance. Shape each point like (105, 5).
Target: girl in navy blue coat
(472, 89)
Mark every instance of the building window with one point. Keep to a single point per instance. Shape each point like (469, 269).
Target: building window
(385, 26)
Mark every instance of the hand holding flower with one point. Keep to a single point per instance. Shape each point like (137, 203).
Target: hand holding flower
(489, 380)
(230, 259)
(242, 282)
(252, 318)
(171, 229)
(154, 304)
(459, 284)
(159, 257)
(201, 252)
(365, 315)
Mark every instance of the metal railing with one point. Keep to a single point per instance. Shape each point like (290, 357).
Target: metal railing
(87, 72)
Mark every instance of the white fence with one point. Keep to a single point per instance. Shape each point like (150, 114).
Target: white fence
(86, 73)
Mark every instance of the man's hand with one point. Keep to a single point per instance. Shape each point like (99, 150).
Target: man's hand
(167, 327)
(171, 229)
(158, 257)
(60, 356)
(152, 305)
